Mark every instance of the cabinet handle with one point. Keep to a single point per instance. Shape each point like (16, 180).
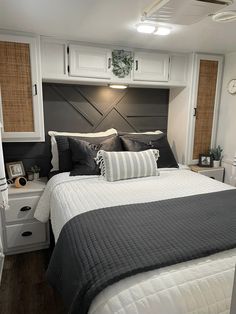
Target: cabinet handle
(136, 65)
(35, 90)
(25, 208)
(213, 178)
(26, 234)
(109, 63)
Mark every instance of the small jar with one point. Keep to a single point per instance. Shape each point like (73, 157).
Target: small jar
(30, 175)
(36, 175)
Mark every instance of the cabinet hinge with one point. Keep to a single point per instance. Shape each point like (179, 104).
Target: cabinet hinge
(68, 68)
(68, 49)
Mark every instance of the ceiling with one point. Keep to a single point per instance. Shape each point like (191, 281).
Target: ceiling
(112, 22)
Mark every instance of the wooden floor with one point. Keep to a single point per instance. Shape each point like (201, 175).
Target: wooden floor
(24, 289)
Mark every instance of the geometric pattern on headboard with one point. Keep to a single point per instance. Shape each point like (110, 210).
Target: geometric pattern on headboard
(97, 108)
(88, 108)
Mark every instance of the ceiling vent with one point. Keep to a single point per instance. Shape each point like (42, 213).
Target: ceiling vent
(224, 17)
(182, 12)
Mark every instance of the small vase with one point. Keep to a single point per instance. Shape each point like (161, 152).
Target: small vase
(216, 163)
(36, 175)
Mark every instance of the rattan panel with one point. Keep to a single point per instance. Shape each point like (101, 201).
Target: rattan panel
(16, 87)
(205, 107)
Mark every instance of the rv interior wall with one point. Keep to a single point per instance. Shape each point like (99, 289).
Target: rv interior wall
(226, 136)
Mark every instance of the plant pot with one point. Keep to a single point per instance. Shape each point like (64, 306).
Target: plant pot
(36, 175)
(216, 163)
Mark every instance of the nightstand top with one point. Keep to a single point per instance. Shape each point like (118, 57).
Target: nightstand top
(31, 187)
(197, 168)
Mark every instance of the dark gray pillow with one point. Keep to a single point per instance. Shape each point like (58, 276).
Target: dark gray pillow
(64, 153)
(83, 154)
(139, 142)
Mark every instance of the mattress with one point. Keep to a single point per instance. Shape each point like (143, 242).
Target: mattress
(198, 286)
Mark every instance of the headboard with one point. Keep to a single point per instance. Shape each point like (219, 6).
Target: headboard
(87, 108)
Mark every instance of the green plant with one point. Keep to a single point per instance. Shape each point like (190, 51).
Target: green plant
(216, 152)
(35, 169)
(122, 62)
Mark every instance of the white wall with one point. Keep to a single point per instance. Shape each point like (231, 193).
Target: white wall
(1, 251)
(179, 118)
(177, 122)
(226, 135)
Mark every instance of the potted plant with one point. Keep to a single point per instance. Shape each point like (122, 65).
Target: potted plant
(35, 169)
(216, 154)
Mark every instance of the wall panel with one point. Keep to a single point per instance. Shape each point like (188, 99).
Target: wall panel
(81, 108)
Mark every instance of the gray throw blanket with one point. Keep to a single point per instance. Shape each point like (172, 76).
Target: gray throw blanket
(98, 248)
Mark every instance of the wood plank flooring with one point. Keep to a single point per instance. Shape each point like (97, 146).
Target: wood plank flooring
(24, 289)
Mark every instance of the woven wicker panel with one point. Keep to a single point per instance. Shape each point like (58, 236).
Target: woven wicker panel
(205, 107)
(16, 87)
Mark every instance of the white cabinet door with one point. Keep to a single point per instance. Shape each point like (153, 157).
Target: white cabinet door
(85, 61)
(178, 69)
(54, 59)
(151, 67)
(23, 123)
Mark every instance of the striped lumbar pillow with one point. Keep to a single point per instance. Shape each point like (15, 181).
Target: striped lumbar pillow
(126, 165)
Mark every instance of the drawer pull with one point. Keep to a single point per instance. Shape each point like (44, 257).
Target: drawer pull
(25, 208)
(26, 234)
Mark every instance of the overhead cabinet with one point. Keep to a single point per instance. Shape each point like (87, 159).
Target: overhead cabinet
(178, 71)
(65, 62)
(54, 59)
(86, 61)
(20, 89)
(151, 67)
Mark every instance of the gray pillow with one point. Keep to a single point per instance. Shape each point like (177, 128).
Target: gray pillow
(127, 165)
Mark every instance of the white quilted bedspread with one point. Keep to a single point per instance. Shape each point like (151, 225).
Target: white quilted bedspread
(194, 287)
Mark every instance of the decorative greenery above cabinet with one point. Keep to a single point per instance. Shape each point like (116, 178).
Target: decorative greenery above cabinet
(122, 63)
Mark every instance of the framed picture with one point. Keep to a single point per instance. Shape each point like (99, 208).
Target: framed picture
(205, 161)
(15, 169)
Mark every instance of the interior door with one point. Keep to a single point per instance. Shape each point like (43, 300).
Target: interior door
(205, 106)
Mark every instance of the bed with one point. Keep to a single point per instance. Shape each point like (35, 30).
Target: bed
(197, 286)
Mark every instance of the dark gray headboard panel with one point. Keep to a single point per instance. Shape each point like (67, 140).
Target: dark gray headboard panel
(87, 108)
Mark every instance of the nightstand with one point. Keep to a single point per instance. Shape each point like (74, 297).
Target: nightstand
(21, 232)
(214, 173)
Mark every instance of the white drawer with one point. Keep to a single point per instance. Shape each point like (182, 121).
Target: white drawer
(21, 208)
(217, 174)
(25, 234)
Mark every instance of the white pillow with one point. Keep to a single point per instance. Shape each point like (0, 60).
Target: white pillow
(148, 133)
(54, 150)
(127, 165)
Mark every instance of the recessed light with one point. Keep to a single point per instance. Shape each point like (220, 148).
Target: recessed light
(146, 28)
(163, 31)
(118, 86)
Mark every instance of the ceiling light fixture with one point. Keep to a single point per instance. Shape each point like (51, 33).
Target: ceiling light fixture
(163, 31)
(146, 28)
(118, 86)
